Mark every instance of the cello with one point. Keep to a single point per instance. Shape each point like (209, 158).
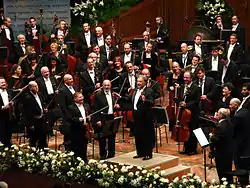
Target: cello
(181, 131)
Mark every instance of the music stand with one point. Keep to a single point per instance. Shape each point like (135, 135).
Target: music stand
(199, 134)
(111, 127)
(160, 116)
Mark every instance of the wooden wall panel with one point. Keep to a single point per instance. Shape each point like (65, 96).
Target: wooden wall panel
(131, 23)
(242, 10)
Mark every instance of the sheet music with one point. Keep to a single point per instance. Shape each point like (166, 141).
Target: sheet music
(201, 137)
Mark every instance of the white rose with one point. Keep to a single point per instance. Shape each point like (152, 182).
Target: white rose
(156, 176)
(144, 171)
(176, 180)
(223, 179)
(131, 174)
(116, 170)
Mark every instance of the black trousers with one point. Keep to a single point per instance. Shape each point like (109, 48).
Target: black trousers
(79, 147)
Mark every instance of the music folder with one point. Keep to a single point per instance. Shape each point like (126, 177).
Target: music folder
(111, 127)
(199, 134)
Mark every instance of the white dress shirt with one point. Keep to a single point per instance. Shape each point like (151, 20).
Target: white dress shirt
(108, 51)
(38, 101)
(72, 90)
(234, 27)
(7, 31)
(224, 71)
(110, 103)
(60, 32)
(34, 30)
(5, 97)
(243, 101)
(131, 78)
(137, 97)
(100, 41)
(184, 59)
(215, 62)
(229, 52)
(82, 111)
(92, 75)
(87, 37)
(48, 85)
(202, 84)
(197, 49)
(127, 57)
(23, 48)
(145, 44)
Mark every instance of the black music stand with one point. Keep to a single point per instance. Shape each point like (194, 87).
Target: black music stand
(111, 127)
(160, 116)
(202, 139)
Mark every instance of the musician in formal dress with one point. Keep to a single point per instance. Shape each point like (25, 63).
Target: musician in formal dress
(213, 64)
(48, 88)
(217, 27)
(65, 99)
(142, 100)
(154, 85)
(191, 93)
(78, 117)
(34, 113)
(7, 39)
(222, 145)
(143, 45)
(103, 99)
(5, 113)
(101, 59)
(208, 90)
(186, 57)
(128, 55)
(199, 48)
(90, 80)
(245, 91)
(99, 36)
(62, 46)
(238, 30)
(194, 66)
(86, 39)
(20, 48)
(227, 90)
(162, 33)
(61, 30)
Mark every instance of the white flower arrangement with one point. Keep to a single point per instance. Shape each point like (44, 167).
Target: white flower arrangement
(66, 167)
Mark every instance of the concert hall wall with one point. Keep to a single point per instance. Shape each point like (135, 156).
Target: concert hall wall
(131, 23)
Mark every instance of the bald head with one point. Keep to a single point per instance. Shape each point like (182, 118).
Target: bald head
(68, 80)
(33, 87)
(106, 85)
(184, 48)
(234, 104)
(223, 113)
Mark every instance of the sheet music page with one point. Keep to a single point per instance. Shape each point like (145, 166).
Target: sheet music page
(201, 137)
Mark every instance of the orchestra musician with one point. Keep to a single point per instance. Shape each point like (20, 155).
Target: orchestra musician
(226, 96)
(143, 45)
(222, 146)
(152, 84)
(48, 88)
(16, 81)
(128, 54)
(62, 30)
(162, 33)
(86, 39)
(102, 99)
(99, 36)
(142, 100)
(34, 113)
(89, 80)
(217, 27)
(199, 48)
(186, 57)
(28, 50)
(192, 93)
(208, 90)
(20, 48)
(196, 60)
(78, 117)
(5, 113)
(238, 30)
(245, 91)
(7, 39)
(65, 99)
(62, 46)
(101, 59)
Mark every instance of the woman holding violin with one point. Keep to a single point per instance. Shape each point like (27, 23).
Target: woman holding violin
(175, 79)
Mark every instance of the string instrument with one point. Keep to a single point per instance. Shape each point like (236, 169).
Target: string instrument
(119, 94)
(172, 107)
(55, 23)
(181, 132)
(42, 36)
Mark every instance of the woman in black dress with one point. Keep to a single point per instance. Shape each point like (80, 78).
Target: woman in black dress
(226, 96)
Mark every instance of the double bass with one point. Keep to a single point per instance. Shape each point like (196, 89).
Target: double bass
(181, 131)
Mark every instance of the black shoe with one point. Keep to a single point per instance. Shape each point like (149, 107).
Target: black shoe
(193, 153)
(184, 152)
(147, 158)
(137, 156)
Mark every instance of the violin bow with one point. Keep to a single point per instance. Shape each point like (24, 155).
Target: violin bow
(20, 91)
(96, 112)
(110, 81)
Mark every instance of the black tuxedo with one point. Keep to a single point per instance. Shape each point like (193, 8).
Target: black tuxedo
(79, 140)
(100, 101)
(240, 32)
(192, 104)
(114, 52)
(236, 55)
(163, 32)
(87, 85)
(66, 38)
(225, 104)
(216, 31)
(34, 118)
(8, 43)
(155, 87)
(5, 123)
(143, 123)
(230, 75)
(222, 142)
(29, 34)
(246, 104)
(188, 59)
(141, 47)
(19, 51)
(204, 50)
(153, 61)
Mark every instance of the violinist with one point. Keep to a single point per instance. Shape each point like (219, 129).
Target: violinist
(130, 83)
(99, 36)
(186, 57)
(176, 77)
(61, 43)
(89, 80)
(142, 100)
(16, 81)
(78, 117)
(20, 48)
(5, 118)
(102, 99)
(154, 85)
(116, 70)
(28, 50)
(101, 59)
(192, 93)
(194, 66)
(54, 67)
(198, 48)
(62, 30)
(128, 55)
(61, 59)
(150, 60)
